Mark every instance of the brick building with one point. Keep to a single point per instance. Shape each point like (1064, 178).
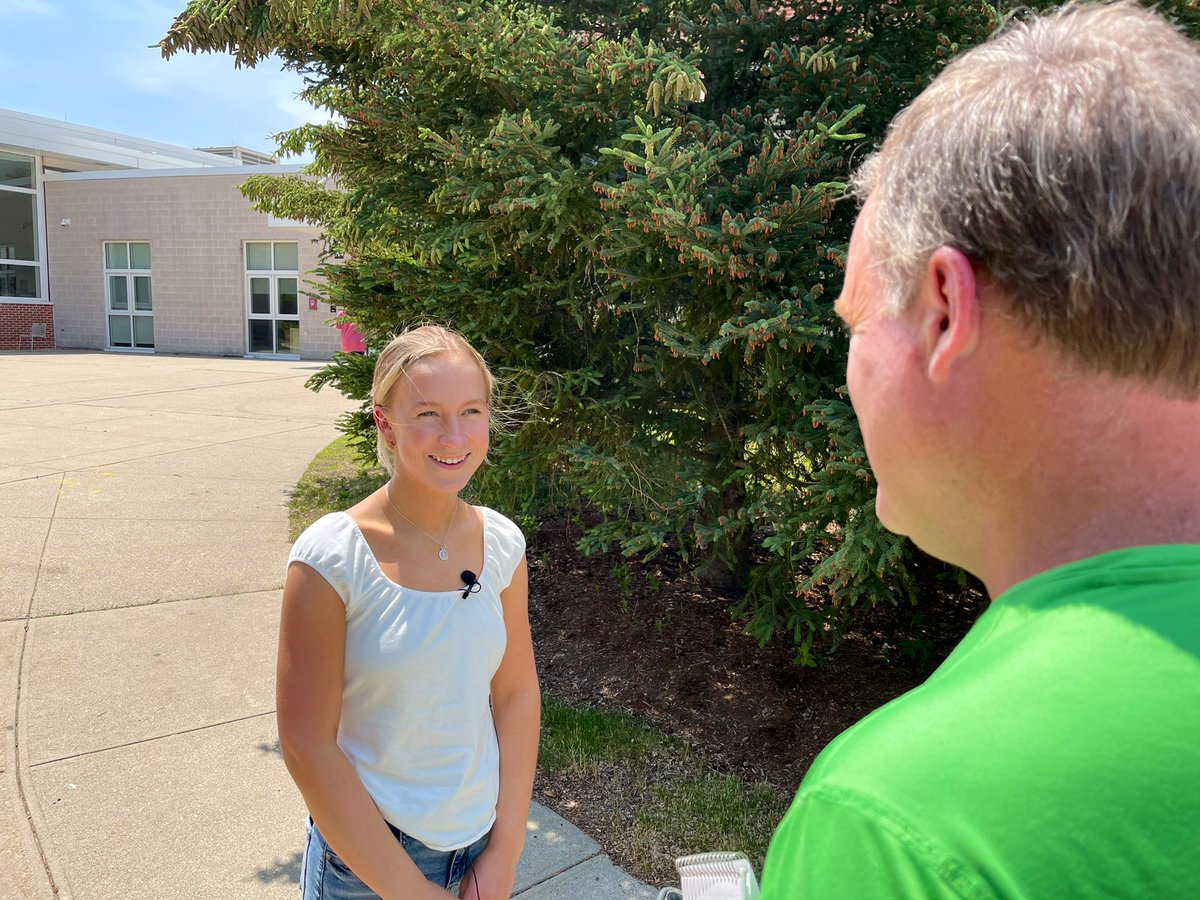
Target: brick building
(111, 242)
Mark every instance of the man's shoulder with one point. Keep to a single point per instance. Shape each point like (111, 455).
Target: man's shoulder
(901, 744)
(1044, 685)
(1046, 725)
(874, 816)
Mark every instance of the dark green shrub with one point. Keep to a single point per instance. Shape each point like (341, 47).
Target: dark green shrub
(637, 221)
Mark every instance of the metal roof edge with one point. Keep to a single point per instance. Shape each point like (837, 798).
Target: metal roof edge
(96, 145)
(241, 171)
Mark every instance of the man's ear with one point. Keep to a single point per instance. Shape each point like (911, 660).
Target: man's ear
(948, 310)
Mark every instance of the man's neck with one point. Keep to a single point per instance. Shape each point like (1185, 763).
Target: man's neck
(1117, 468)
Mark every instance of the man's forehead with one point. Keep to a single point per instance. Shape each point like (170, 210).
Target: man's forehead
(849, 303)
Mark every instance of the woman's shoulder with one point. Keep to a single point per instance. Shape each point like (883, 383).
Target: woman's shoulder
(504, 531)
(330, 525)
(328, 546)
(332, 537)
(498, 521)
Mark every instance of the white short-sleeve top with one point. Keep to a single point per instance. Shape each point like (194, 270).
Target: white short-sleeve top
(416, 718)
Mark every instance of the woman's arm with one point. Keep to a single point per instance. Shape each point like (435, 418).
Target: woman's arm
(516, 708)
(308, 698)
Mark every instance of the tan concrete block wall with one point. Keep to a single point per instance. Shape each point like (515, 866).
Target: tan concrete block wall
(197, 226)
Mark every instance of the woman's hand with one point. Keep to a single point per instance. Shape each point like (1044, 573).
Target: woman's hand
(490, 878)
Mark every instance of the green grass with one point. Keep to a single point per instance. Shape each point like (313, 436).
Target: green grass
(662, 799)
(705, 810)
(584, 740)
(333, 481)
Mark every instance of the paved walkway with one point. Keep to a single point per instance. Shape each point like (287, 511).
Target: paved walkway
(143, 527)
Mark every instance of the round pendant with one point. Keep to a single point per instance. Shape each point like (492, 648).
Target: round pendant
(443, 555)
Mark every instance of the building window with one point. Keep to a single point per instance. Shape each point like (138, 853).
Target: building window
(130, 299)
(273, 297)
(20, 231)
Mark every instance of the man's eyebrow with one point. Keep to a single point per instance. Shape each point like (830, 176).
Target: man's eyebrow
(839, 306)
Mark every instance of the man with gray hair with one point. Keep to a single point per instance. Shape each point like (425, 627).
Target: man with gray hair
(1023, 295)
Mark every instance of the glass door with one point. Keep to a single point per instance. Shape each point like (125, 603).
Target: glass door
(273, 297)
(129, 296)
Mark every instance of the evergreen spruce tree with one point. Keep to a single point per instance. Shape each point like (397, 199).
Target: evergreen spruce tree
(636, 216)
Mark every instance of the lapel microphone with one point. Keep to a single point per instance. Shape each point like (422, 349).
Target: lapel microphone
(472, 583)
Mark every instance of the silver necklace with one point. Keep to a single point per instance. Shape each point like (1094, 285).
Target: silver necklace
(443, 555)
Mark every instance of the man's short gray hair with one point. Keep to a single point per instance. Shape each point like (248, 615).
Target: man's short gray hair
(1063, 156)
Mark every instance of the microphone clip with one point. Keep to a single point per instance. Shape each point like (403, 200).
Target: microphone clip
(472, 583)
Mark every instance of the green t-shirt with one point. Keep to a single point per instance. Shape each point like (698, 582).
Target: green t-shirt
(1055, 754)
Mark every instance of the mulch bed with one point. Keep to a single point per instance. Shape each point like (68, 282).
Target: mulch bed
(651, 639)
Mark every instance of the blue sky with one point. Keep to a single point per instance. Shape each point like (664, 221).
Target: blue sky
(91, 62)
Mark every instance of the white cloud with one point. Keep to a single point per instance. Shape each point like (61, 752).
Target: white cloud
(93, 62)
(33, 8)
(299, 111)
(223, 103)
(137, 11)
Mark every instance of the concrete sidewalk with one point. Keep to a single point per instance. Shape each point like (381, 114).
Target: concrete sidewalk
(143, 520)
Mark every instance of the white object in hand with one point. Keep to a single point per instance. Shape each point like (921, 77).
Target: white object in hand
(717, 876)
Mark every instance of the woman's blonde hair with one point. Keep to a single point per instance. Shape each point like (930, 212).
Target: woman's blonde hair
(407, 348)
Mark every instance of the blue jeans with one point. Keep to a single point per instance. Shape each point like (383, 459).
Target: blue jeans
(323, 875)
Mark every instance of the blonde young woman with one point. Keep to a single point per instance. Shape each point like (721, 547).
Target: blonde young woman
(407, 697)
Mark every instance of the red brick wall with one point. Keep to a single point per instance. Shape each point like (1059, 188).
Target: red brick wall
(15, 320)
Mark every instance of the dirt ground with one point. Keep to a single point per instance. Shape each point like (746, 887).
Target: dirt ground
(652, 640)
